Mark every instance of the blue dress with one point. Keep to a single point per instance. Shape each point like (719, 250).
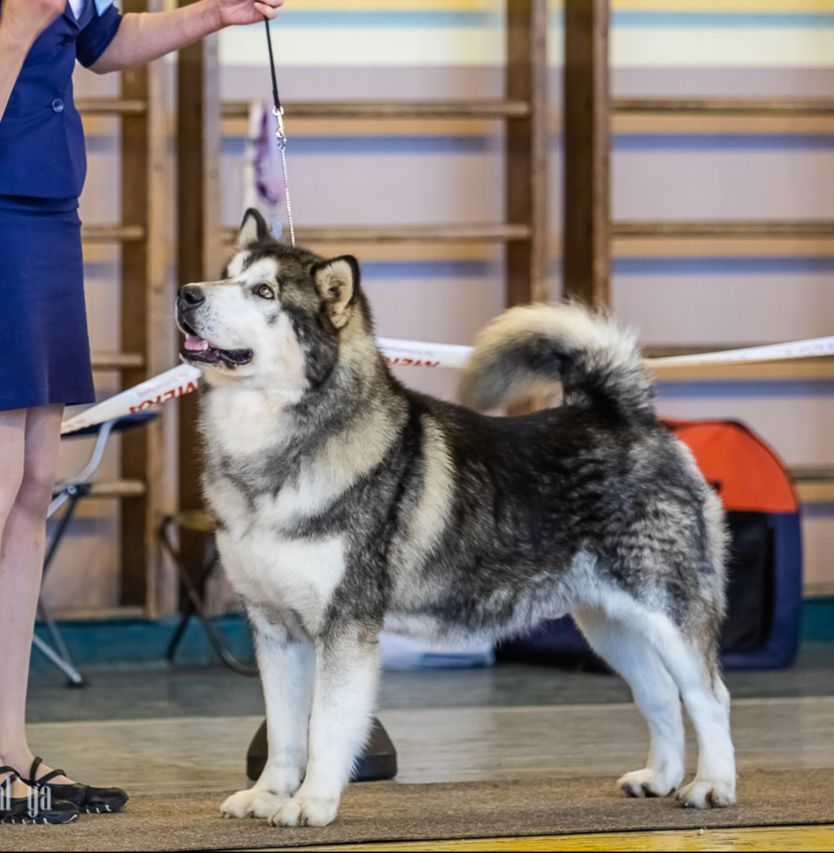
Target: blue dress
(44, 349)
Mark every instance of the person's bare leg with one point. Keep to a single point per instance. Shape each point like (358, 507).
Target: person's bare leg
(29, 444)
(12, 444)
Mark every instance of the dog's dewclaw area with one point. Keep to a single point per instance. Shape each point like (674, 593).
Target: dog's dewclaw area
(388, 812)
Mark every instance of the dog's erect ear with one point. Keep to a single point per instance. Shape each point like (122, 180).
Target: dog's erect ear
(337, 281)
(252, 229)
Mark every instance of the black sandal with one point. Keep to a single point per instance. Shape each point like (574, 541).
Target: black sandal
(34, 808)
(86, 798)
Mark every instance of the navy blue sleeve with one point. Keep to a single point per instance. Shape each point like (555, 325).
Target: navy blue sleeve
(95, 38)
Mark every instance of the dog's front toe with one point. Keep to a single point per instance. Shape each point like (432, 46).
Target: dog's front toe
(305, 812)
(239, 805)
(707, 794)
(647, 783)
(253, 802)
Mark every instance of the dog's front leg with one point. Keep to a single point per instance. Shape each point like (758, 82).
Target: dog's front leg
(347, 672)
(286, 659)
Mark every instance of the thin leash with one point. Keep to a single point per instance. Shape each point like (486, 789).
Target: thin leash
(280, 133)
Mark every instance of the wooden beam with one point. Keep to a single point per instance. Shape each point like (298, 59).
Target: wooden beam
(703, 107)
(723, 238)
(586, 260)
(798, 370)
(118, 490)
(416, 234)
(759, 229)
(117, 361)
(527, 152)
(111, 106)
(145, 307)
(199, 251)
(125, 233)
(430, 109)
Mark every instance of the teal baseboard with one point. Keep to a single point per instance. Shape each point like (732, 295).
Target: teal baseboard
(115, 642)
(818, 619)
(118, 642)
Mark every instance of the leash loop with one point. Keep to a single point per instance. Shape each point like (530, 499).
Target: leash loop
(280, 132)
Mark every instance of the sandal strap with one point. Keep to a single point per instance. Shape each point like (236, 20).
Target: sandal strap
(44, 780)
(33, 770)
(47, 777)
(10, 770)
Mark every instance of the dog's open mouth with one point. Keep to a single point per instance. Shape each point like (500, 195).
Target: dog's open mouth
(199, 350)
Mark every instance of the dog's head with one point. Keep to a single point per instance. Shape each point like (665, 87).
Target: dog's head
(276, 318)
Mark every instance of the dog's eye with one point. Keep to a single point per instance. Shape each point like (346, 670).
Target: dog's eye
(265, 292)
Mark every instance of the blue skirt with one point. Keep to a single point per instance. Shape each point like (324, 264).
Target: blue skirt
(44, 349)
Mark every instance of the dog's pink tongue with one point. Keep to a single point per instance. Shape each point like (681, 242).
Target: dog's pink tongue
(195, 343)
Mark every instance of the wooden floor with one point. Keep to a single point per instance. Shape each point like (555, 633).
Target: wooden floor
(793, 838)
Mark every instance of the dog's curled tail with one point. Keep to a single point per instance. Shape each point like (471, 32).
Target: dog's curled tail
(530, 349)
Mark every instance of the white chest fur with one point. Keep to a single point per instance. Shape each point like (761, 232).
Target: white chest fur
(298, 575)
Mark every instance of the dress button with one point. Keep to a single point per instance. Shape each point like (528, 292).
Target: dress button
(57, 106)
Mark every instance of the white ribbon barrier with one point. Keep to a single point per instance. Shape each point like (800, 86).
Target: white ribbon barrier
(183, 379)
(174, 383)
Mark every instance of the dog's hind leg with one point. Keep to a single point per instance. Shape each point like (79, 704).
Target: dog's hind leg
(286, 660)
(692, 661)
(347, 672)
(707, 702)
(655, 694)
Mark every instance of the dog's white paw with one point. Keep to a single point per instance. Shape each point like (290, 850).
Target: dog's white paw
(253, 802)
(707, 794)
(305, 812)
(241, 804)
(648, 783)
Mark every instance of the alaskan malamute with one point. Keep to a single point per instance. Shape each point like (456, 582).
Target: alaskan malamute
(347, 502)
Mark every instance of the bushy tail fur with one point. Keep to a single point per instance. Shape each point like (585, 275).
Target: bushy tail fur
(528, 350)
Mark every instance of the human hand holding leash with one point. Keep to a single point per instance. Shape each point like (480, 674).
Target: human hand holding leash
(233, 12)
(147, 36)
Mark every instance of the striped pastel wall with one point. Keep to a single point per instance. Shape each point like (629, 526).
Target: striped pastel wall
(355, 173)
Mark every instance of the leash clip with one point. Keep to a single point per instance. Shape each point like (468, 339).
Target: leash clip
(280, 133)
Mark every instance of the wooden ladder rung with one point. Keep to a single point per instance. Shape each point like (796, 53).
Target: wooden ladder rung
(118, 489)
(388, 109)
(112, 233)
(815, 491)
(111, 106)
(452, 233)
(784, 107)
(117, 361)
(797, 370)
(803, 473)
(672, 350)
(761, 229)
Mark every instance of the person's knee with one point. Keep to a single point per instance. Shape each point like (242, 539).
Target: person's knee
(35, 490)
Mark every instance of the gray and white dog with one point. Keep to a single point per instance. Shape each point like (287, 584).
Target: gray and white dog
(347, 502)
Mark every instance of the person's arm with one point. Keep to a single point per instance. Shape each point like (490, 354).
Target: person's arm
(146, 36)
(21, 22)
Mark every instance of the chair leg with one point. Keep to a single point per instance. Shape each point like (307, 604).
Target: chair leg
(60, 655)
(74, 677)
(198, 609)
(179, 633)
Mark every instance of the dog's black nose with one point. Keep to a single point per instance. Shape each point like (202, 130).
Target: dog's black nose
(192, 294)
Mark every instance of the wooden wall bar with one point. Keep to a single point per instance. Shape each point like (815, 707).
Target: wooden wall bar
(587, 147)
(145, 331)
(199, 251)
(527, 145)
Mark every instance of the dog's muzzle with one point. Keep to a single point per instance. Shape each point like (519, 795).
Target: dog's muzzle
(197, 349)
